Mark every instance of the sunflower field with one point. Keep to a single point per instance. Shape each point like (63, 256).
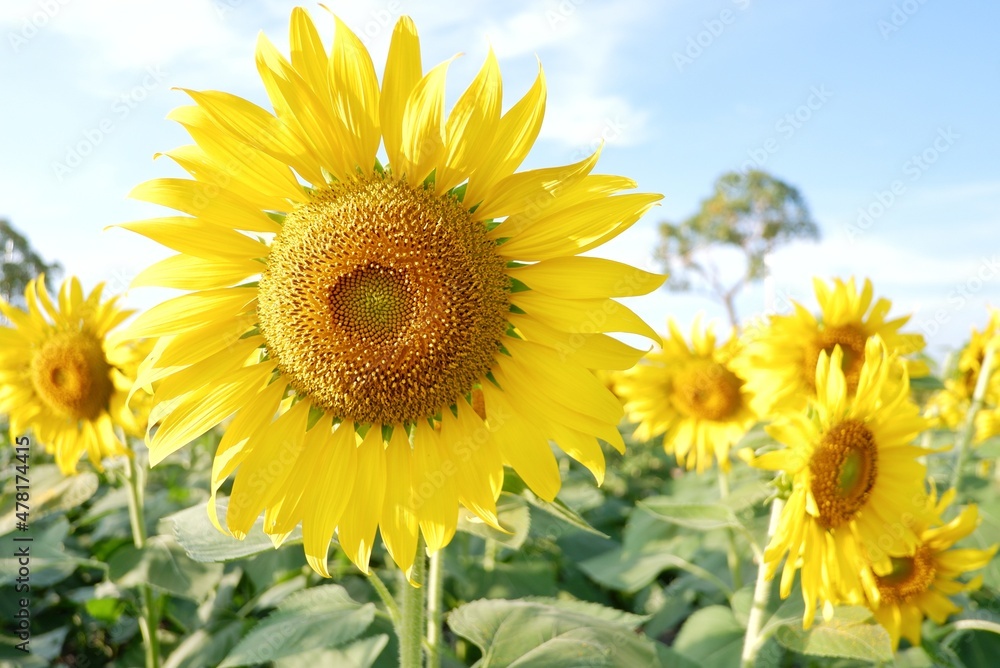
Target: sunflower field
(398, 416)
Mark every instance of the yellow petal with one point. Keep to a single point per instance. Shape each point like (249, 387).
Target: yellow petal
(515, 135)
(226, 396)
(256, 127)
(185, 272)
(586, 278)
(191, 311)
(402, 72)
(423, 139)
(210, 203)
(522, 445)
(192, 237)
(593, 351)
(471, 125)
(582, 315)
(435, 495)
(579, 228)
(399, 525)
(356, 96)
(360, 521)
(519, 192)
(330, 490)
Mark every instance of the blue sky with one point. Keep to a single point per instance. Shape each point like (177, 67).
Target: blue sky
(882, 108)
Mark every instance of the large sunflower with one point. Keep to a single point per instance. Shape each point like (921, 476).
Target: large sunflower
(780, 358)
(65, 376)
(428, 318)
(857, 487)
(919, 584)
(690, 396)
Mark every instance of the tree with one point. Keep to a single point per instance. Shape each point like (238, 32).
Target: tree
(752, 212)
(19, 263)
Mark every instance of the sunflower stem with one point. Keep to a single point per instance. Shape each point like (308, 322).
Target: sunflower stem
(732, 556)
(964, 441)
(387, 600)
(435, 595)
(148, 622)
(761, 594)
(411, 626)
(490, 554)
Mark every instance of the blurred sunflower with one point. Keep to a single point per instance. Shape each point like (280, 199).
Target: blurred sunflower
(429, 317)
(856, 483)
(65, 376)
(690, 395)
(948, 407)
(919, 585)
(780, 358)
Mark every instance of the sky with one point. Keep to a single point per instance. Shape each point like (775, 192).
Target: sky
(882, 114)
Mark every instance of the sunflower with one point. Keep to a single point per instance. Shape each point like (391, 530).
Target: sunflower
(948, 407)
(857, 487)
(919, 584)
(65, 377)
(691, 396)
(780, 357)
(426, 320)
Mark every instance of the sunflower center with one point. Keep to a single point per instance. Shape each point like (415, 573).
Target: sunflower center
(843, 468)
(382, 302)
(910, 576)
(852, 343)
(71, 375)
(707, 390)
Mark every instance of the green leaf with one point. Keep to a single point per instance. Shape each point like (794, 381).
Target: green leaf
(844, 636)
(323, 617)
(712, 637)
(976, 648)
(357, 654)
(107, 610)
(551, 634)
(631, 570)
(203, 542)
(698, 516)
(164, 566)
(51, 492)
(926, 383)
(206, 648)
(514, 516)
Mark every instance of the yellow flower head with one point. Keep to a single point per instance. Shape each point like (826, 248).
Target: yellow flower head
(857, 487)
(65, 377)
(780, 358)
(690, 395)
(949, 406)
(919, 584)
(427, 318)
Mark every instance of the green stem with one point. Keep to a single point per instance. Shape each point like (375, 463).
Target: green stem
(435, 596)
(732, 556)
(761, 594)
(387, 599)
(490, 550)
(965, 433)
(411, 628)
(148, 621)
